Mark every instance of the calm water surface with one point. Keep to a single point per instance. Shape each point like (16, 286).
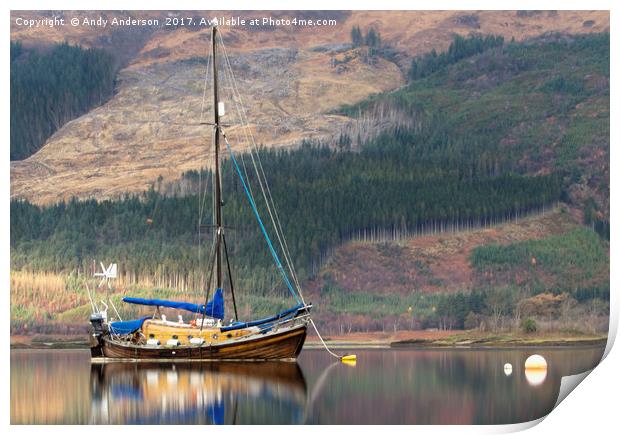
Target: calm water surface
(384, 387)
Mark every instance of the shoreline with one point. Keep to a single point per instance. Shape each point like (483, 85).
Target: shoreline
(455, 341)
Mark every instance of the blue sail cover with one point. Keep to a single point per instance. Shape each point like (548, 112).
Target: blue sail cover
(214, 308)
(128, 326)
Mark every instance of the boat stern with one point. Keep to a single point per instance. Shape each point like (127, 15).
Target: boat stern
(97, 331)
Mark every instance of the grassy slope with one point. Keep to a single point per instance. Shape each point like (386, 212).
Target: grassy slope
(577, 259)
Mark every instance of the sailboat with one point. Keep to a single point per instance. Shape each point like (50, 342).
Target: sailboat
(207, 337)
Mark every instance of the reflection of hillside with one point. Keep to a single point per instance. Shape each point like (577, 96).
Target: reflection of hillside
(39, 386)
(207, 393)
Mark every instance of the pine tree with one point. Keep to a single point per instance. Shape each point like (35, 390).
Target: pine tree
(356, 36)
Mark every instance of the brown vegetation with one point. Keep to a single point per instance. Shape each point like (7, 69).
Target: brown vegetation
(429, 263)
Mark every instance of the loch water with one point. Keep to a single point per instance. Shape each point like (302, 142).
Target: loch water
(385, 386)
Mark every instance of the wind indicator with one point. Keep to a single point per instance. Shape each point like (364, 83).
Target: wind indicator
(107, 274)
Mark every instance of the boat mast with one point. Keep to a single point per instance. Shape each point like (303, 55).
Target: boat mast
(217, 186)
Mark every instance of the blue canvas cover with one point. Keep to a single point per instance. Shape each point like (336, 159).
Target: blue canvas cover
(214, 308)
(282, 315)
(128, 326)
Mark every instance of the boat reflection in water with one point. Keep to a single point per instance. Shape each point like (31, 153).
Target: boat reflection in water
(197, 393)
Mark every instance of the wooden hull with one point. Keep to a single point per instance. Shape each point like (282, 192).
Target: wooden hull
(281, 345)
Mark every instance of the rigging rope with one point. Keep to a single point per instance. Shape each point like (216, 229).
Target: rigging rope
(274, 254)
(262, 179)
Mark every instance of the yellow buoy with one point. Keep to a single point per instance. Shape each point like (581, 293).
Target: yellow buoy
(349, 358)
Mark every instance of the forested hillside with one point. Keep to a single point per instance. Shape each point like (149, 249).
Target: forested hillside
(291, 80)
(537, 107)
(51, 88)
(498, 133)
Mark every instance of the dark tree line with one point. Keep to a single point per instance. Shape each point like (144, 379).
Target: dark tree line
(323, 197)
(460, 48)
(51, 88)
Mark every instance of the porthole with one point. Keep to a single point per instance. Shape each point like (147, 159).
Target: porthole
(175, 337)
(151, 335)
(229, 335)
(215, 336)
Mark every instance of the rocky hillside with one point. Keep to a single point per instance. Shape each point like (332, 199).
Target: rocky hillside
(291, 80)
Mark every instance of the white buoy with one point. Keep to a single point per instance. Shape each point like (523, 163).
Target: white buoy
(536, 362)
(507, 369)
(535, 370)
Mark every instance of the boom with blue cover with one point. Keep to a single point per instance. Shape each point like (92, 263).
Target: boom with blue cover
(279, 316)
(214, 308)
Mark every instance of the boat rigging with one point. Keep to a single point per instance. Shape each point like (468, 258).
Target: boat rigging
(208, 337)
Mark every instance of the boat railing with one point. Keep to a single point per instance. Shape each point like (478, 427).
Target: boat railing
(297, 317)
